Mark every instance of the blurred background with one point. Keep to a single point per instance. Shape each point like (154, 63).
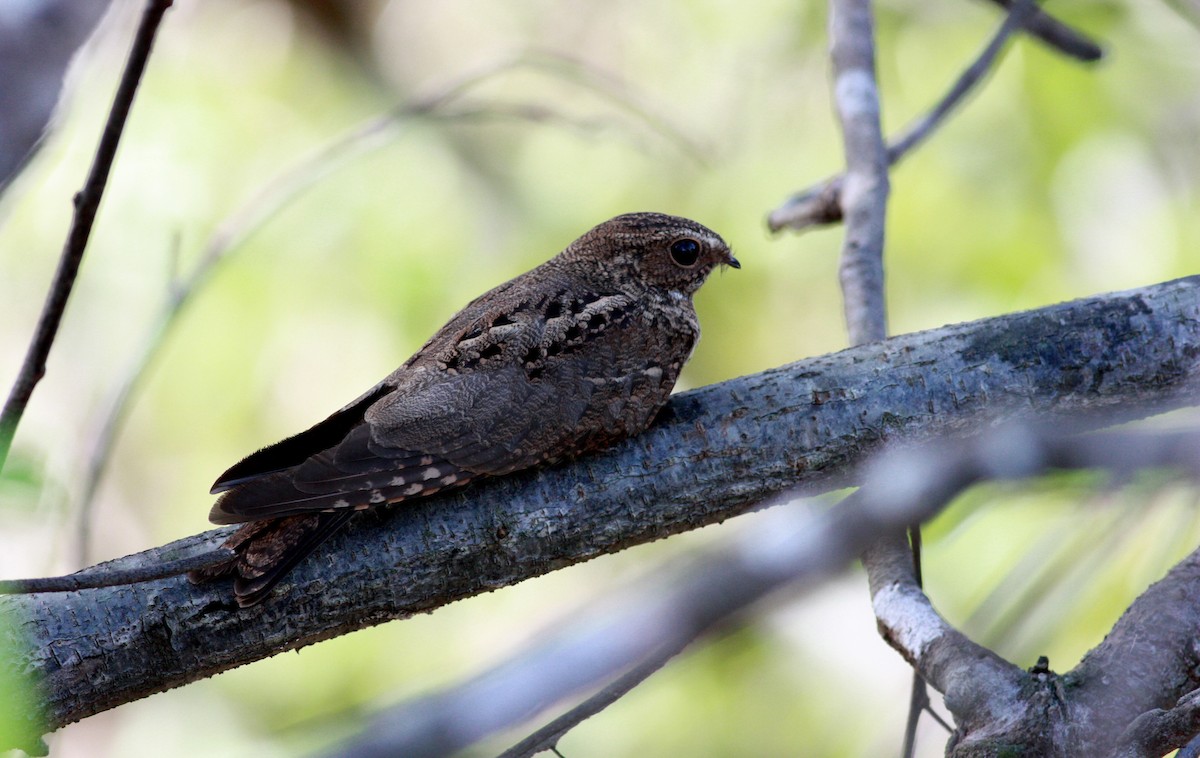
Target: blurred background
(1058, 180)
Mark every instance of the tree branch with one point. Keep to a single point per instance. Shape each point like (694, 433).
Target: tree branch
(1147, 662)
(717, 452)
(1156, 733)
(821, 204)
(110, 576)
(1058, 35)
(87, 202)
(547, 737)
(865, 192)
(794, 547)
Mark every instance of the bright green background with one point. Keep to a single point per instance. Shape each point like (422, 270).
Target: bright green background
(1058, 180)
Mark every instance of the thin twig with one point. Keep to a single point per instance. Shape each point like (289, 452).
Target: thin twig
(96, 577)
(615, 92)
(1058, 35)
(86, 203)
(548, 736)
(918, 697)
(821, 204)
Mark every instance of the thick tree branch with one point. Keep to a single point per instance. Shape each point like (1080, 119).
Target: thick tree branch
(1156, 733)
(720, 450)
(794, 547)
(1149, 661)
(87, 203)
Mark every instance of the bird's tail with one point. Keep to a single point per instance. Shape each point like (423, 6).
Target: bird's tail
(267, 550)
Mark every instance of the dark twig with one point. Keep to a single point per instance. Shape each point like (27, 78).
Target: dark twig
(918, 703)
(821, 203)
(101, 576)
(916, 132)
(1058, 35)
(548, 736)
(86, 202)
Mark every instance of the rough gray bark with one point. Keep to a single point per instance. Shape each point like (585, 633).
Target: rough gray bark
(720, 450)
(1152, 653)
(617, 641)
(1128, 697)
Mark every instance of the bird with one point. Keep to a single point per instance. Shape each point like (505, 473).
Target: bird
(564, 360)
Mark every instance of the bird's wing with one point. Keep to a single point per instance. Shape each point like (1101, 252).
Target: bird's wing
(294, 450)
(488, 422)
(532, 392)
(412, 443)
(514, 392)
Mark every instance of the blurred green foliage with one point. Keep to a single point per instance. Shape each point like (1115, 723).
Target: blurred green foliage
(1055, 181)
(17, 693)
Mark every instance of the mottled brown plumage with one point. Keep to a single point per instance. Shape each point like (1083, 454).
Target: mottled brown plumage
(569, 358)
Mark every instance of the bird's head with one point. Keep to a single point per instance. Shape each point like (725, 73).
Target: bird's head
(652, 250)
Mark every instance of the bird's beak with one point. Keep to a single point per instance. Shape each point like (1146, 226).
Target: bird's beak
(731, 261)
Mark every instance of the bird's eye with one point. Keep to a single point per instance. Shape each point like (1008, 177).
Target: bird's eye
(685, 252)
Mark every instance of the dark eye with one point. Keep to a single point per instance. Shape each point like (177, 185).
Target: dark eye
(685, 252)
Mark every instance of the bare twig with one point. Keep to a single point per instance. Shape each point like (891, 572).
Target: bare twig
(856, 96)
(97, 577)
(795, 547)
(918, 703)
(821, 203)
(86, 202)
(617, 93)
(548, 736)
(864, 197)
(1058, 35)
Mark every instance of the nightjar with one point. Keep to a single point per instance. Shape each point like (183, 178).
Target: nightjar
(566, 359)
